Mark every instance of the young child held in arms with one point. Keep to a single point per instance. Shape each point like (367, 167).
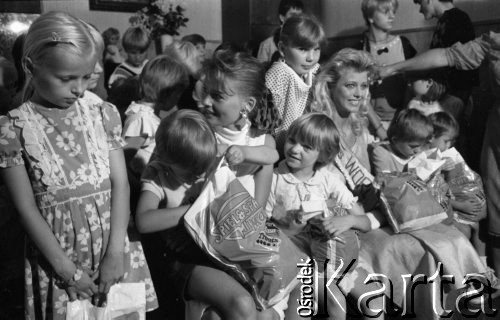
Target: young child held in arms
(290, 78)
(187, 149)
(235, 104)
(409, 132)
(426, 95)
(63, 165)
(446, 131)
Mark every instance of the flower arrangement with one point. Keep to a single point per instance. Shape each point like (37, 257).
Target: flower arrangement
(160, 18)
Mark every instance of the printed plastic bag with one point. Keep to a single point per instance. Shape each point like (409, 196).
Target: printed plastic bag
(231, 227)
(465, 184)
(125, 301)
(411, 205)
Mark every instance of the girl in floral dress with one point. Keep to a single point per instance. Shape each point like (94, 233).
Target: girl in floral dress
(61, 159)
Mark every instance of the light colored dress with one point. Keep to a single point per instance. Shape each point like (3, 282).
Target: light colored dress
(290, 96)
(266, 49)
(66, 152)
(141, 121)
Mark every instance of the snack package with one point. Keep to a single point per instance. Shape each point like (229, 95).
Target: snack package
(340, 250)
(231, 227)
(465, 184)
(411, 204)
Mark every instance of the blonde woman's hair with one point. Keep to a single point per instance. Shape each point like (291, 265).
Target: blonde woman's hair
(55, 29)
(345, 59)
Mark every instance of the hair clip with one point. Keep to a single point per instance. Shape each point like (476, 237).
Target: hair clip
(55, 37)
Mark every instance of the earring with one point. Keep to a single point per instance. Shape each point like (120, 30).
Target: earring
(244, 114)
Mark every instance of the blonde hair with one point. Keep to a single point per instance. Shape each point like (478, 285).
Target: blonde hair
(186, 53)
(368, 7)
(345, 59)
(56, 29)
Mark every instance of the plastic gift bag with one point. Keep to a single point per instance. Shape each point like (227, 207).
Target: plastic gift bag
(125, 301)
(231, 227)
(411, 204)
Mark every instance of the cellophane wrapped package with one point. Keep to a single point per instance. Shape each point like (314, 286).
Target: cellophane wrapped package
(231, 227)
(464, 183)
(411, 204)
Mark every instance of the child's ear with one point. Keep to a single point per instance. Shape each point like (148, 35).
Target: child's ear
(282, 19)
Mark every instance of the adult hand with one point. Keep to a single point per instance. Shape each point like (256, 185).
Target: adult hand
(493, 39)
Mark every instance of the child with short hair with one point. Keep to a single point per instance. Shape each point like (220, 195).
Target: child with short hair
(161, 82)
(446, 131)
(303, 186)
(62, 163)
(113, 54)
(198, 41)
(426, 95)
(409, 132)
(187, 149)
(135, 42)
(290, 79)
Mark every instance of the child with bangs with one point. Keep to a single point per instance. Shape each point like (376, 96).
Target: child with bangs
(311, 203)
(291, 77)
(409, 132)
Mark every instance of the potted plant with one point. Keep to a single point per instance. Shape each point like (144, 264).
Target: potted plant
(162, 19)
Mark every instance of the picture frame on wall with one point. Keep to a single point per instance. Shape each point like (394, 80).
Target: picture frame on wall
(21, 6)
(117, 5)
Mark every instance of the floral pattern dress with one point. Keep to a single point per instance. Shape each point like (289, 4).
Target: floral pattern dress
(66, 153)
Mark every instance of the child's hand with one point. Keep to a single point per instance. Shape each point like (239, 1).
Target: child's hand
(469, 207)
(83, 288)
(234, 155)
(335, 226)
(110, 271)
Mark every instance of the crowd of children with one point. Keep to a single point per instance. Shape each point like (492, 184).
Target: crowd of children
(82, 186)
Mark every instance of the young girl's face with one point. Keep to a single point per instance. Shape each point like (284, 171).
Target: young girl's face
(301, 60)
(350, 91)
(300, 156)
(62, 78)
(383, 17)
(420, 87)
(406, 149)
(221, 109)
(444, 141)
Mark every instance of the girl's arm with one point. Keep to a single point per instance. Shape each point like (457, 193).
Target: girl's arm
(262, 155)
(357, 220)
(111, 268)
(134, 142)
(151, 219)
(18, 184)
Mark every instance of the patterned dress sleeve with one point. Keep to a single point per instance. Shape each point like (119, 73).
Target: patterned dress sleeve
(10, 146)
(112, 125)
(467, 56)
